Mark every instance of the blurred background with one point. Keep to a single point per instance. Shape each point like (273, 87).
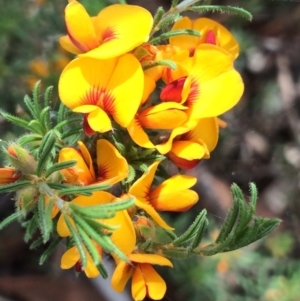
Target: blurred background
(261, 144)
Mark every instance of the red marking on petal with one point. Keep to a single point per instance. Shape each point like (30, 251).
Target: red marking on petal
(183, 163)
(78, 266)
(211, 38)
(172, 92)
(194, 93)
(108, 34)
(102, 173)
(86, 127)
(192, 51)
(76, 43)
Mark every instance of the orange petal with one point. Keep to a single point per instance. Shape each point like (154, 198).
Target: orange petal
(121, 275)
(97, 198)
(116, 27)
(174, 195)
(167, 115)
(69, 258)
(114, 169)
(156, 286)
(80, 27)
(150, 258)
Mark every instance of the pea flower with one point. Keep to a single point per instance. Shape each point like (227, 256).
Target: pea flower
(211, 33)
(111, 33)
(8, 175)
(145, 280)
(171, 195)
(103, 88)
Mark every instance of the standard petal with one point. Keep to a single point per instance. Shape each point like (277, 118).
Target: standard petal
(116, 27)
(138, 285)
(156, 286)
(138, 135)
(126, 84)
(167, 115)
(80, 27)
(174, 195)
(114, 169)
(121, 275)
(150, 258)
(69, 258)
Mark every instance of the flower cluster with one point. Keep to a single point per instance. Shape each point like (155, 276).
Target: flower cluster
(93, 172)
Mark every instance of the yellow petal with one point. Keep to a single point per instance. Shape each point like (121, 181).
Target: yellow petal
(153, 213)
(138, 135)
(87, 157)
(141, 187)
(62, 228)
(156, 286)
(67, 44)
(91, 269)
(97, 198)
(188, 150)
(174, 195)
(138, 285)
(80, 27)
(116, 25)
(121, 275)
(114, 168)
(99, 121)
(168, 115)
(128, 77)
(150, 258)
(79, 173)
(69, 258)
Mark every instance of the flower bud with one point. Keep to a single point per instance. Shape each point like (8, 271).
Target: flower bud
(144, 228)
(21, 159)
(26, 198)
(8, 175)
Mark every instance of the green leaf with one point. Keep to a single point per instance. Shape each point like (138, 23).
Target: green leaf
(36, 127)
(35, 96)
(36, 243)
(31, 227)
(14, 186)
(15, 120)
(84, 190)
(176, 253)
(13, 217)
(222, 9)
(89, 211)
(192, 232)
(49, 250)
(77, 240)
(47, 96)
(158, 16)
(168, 63)
(45, 150)
(29, 104)
(59, 166)
(102, 270)
(30, 138)
(175, 33)
(216, 248)
(67, 122)
(45, 222)
(45, 118)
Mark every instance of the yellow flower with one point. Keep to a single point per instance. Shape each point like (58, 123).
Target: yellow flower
(108, 171)
(103, 88)
(117, 29)
(8, 175)
(171, 195)
(206, 83)
(211, 33)
(145, 280)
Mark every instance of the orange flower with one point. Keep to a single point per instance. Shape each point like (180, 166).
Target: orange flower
(100, 95)
(8, 175)
(171, 195)
(145, 280)
(109, 171)
(211, 33)
(187, 149)
(117, 29)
